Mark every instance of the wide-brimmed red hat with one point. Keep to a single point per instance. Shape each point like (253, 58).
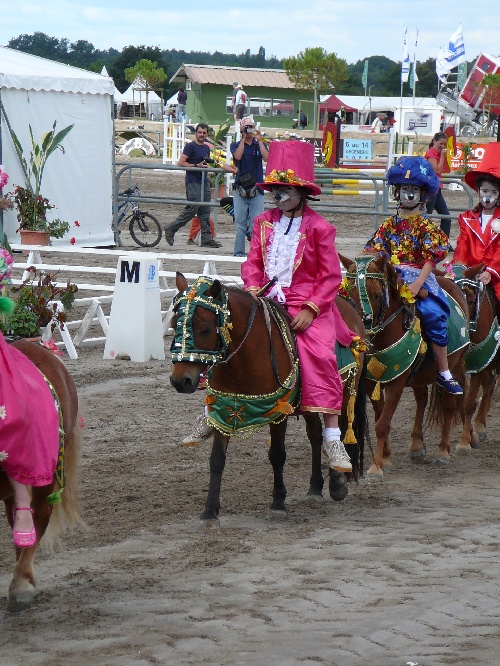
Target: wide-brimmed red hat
(488, 166)
(290, 164)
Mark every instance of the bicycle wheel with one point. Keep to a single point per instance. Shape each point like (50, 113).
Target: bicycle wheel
(145, 229)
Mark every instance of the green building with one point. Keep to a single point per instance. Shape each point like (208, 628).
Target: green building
(272, 98)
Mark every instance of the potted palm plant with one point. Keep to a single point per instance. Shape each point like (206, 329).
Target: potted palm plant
(31, 206)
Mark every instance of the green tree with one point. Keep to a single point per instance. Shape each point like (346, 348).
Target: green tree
(148, 75)
(315, 67)
(129, 57)
(41, 45)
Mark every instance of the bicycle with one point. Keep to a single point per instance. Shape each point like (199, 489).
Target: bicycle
(144, 228)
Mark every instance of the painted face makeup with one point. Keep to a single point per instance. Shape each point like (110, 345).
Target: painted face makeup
(285, 198)
(488, 195)
(410, 196)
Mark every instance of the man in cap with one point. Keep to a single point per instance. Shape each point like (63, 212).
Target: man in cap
(240, 103)
(248, 154)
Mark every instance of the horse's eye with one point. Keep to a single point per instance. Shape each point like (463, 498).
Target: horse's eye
(205, 331)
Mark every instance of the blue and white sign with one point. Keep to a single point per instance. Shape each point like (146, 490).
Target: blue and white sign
(357, 149)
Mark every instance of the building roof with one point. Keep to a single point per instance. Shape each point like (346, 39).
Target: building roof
(226, 76)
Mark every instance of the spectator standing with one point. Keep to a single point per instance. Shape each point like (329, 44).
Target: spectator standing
(195, 153)
(181, 104)
(436, 156)
(378, 123)
(240, 103)
(302, 120)
(248, 154)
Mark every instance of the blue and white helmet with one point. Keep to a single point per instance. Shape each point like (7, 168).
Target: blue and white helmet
(414, 170)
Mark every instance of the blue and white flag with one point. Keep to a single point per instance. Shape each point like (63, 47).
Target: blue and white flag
(453, 56)
(405, 65)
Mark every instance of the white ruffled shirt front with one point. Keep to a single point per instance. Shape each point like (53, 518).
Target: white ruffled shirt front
(281, 253)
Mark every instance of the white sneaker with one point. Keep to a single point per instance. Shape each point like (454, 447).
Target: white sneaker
(337, 456)
(201, 431)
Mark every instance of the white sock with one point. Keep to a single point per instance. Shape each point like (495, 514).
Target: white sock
(446, 374)
(332, 433)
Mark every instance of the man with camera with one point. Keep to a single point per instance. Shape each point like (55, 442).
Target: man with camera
(196, 153)
(248, 154)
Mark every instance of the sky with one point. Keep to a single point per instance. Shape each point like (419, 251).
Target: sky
(352, 29)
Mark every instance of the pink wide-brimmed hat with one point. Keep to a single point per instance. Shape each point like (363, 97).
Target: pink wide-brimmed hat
(488, 166)
(290, 164)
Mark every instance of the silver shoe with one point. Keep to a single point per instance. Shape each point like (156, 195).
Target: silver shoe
(338, 458)
(201, 431)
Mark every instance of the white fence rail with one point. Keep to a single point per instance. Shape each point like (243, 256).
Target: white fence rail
(100, 290)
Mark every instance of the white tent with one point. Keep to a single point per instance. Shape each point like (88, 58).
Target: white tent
(35, 91)
(135, 94)
(118, 96)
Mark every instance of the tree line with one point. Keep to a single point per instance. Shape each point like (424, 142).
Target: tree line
(336, 75)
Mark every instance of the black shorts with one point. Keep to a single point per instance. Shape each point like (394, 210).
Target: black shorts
(239, 111)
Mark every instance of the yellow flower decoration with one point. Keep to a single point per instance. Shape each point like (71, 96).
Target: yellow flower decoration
(394, 259)
(287, 176)
(406, 294)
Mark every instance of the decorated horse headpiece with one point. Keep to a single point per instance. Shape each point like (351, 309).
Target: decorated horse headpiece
(183, 346)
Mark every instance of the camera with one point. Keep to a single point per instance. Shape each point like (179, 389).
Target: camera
(209, 160)
(249, 130)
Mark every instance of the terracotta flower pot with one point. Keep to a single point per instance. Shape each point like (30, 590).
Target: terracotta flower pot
(29, 237)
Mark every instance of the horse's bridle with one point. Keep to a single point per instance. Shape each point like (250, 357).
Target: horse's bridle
(375, 322)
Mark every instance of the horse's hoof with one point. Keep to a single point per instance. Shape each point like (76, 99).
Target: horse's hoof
(337, 486)
(417, 456)
(463, 450)
(20, 601)
(314, 496)
(374, 478)
(482, 438)
(209, 524)
(442, 461)
(278, 514)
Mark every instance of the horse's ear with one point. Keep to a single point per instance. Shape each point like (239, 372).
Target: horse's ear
(473, 271)
(346, 263)
(180, 282)
(215, 290)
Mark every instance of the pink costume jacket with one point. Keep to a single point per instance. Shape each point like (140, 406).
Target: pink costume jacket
(475, 246)
(315, 282)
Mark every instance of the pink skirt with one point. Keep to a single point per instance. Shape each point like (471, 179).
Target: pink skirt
(29, 420)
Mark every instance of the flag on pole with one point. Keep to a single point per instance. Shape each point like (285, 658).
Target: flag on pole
(453, 56)
(405, 65)
(413, 76)
(364, 78)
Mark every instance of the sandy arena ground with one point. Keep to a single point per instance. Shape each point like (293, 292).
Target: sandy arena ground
(401, 572)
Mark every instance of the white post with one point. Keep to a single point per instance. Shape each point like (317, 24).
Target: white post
(135, 325)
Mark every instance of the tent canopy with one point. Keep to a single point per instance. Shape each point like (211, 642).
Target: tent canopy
(334, 104)
(79, 181)
(22, 71)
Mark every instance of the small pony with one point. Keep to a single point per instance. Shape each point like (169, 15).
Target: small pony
(253, 378)
(400, 358)
(482, 359)
(65, 514)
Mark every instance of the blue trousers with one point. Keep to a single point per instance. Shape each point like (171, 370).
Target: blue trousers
(245, 210)
(194, 193)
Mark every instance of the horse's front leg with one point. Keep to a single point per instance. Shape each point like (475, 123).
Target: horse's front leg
(314, 429)
(417, 446)
(449, 406)
(277, 458)
(488, 385)
(381, 457)
(469, 407)
(217, 464)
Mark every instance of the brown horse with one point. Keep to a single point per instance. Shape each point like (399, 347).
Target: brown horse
(391, 323)
(252, 359)
(66, 513)
(481, 359)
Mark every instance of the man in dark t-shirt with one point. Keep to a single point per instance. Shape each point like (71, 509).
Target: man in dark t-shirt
(194, 154)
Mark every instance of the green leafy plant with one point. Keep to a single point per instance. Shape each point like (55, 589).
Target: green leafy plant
(35, 304)
(31, 206)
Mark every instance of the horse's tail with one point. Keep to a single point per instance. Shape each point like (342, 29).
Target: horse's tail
(435, 414)
(67, 515)
(360, 424)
